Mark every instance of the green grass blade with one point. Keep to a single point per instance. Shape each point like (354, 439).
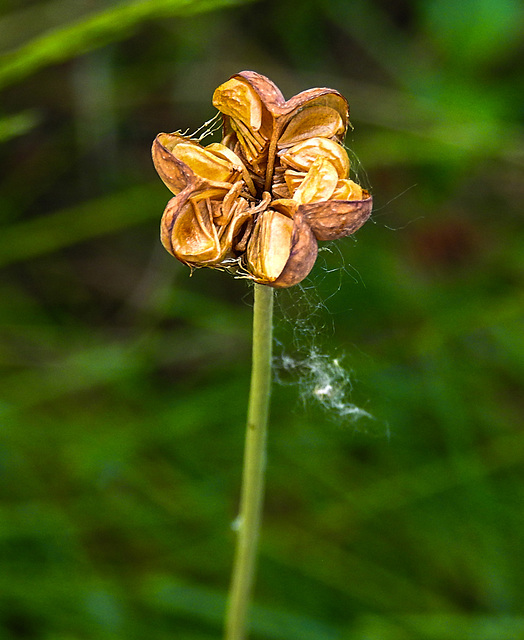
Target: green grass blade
(45, 234)
(92, 33)
(17, 124)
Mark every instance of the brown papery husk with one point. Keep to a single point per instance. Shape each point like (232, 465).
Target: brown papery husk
(279, 107)
(334, 219)
(169, 217)
(302, 257)
(312, 121)
(175, 207)
(176, 175)
(223, 244)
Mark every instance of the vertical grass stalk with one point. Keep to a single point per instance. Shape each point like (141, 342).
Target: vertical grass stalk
(252, 492)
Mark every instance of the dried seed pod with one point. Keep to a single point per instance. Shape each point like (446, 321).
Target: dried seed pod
(337, 218)
(193, 236)
(200, 226)
(223, 213)
(182, 162)
(282, 250)
(315, 121)
(237, 99)
(270, 245)
(176, 175)
(203, 232)
(246, 114)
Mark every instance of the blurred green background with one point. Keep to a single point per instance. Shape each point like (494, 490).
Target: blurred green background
(124, 381)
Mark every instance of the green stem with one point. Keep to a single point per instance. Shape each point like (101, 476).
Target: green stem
(252, 493)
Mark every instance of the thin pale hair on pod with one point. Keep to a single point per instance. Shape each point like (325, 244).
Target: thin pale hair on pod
(209, 127)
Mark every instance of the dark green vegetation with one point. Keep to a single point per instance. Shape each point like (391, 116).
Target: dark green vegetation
(124, 381)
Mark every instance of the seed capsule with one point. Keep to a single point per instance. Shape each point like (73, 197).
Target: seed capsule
(337, 218)
(311, 122)
(204, 232)
(257, 202)
(237, 100)
(282, 250)
(182, 162)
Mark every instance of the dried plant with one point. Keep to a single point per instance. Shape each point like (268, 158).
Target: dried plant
(257, 204)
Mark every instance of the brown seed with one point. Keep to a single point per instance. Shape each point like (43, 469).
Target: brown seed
(319, 183)
(301, 156)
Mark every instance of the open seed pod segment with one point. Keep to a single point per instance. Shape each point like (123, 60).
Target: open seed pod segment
(258, 202)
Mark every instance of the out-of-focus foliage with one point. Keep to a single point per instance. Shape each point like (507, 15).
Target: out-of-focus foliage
(124, 380)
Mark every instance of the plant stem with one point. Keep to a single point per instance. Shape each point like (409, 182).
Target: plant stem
(252, 493)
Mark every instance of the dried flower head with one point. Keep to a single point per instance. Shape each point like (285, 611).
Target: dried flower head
(258, 202)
